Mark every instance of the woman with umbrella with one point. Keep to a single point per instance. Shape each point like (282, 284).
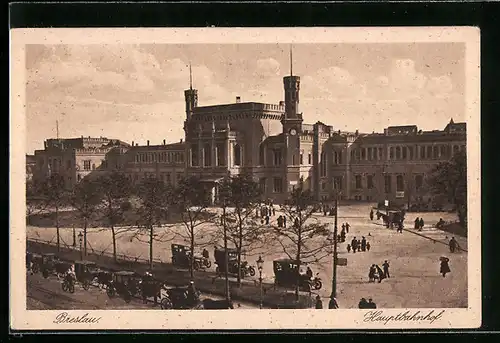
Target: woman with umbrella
(445, 268)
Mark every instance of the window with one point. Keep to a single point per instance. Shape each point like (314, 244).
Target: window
(422, 152)
(404, 153)
(435, 151)
(194, 155)
(339, 157)
(168, 179)
(391, 153)
(237, 155)
(429, 152)
(358, 182)
(301, 158)
(180, 176)
(363, 153)
(323, 186)
(400, 184)
(86, 165)
(207, 155)
(261, 154)
(277, 185)
(262, 184)
(323, 164)
(387, 181)
(398, 153)
(277, 157)
(410, 152)
(221, 154)
(419, 181)
(455, 149)
(442, 151)
(380, 152)
(369, 181)
(79, 177)
(309, 158)
(337, 182)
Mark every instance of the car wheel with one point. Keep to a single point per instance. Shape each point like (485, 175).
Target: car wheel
(127, 297)
(208, 264)
(45, 273)
(86, 285)
(71, 288)
(252, 271)
(166, 304)
(110, 291)
(196, 265)
(64, 287)
(318, 284)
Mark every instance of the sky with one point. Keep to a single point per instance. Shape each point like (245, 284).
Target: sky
(136, 92)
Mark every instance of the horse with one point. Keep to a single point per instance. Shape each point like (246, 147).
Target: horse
(209, 304)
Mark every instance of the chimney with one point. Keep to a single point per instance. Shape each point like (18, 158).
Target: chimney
(147, 142)
(385, 132)
(181, 140)
(132, 143)
(164, 142)
(238, 99)
(339, 132)
(282, 103)
(357, 132)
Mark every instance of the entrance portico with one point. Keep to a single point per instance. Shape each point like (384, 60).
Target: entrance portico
(212, 185)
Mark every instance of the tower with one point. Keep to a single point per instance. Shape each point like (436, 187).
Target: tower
(190, 96)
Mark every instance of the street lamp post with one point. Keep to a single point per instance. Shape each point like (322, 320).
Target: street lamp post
(74, 237)
(80, 239)
(334, 275)
(260, 263)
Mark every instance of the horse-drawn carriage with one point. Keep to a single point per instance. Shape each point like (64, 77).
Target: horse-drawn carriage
(124, 283)
(86, 272)
(33, 261)
(48, 263)
(286, 273)
(181, 257)
(232, 263)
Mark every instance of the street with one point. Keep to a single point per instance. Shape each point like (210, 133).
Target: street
(47, 294)
(414, 259)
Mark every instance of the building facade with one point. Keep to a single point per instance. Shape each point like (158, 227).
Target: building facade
(272, 144)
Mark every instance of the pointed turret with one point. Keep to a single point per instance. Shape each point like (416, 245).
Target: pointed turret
(190, 96)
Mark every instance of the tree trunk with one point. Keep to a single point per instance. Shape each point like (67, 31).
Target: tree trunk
(240, 244)
(191, 259)
(85, 237)
(151, 247)
(226, 264)
(113, 234)
(299, 245)
(57, 229)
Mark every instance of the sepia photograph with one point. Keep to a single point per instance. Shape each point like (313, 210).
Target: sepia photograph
(258, 175)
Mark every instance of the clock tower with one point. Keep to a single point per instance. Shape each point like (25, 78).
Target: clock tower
(292, 127)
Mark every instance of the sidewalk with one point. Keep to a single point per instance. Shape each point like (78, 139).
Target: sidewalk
(205, 280)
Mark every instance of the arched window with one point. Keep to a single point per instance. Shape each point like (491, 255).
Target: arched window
(237, 155)
(194, 155)
(207, 155)
(398, 153)
(400, 185)
(391, 153)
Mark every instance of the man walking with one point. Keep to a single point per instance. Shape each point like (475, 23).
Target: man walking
(386, 269)
(421, 224)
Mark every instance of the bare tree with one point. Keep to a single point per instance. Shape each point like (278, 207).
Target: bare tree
(55, 194)
(304, 239)
(86, 200)
(154, 200)
(35, 203)
(115, 188)
(246, 233)
(190, 199)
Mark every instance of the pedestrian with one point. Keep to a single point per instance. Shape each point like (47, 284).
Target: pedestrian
(380, 273)
(358, 245)
(324, 210)
(453, 244)
(385, 265)
(417, 223)
(362, 303)
(371, 214)
(342, 236)
(363, 244)
(347, 226)
(333, 304)
(348, 248)
(371, 273)
(368, 246)
(421, 223)
(343, 228)
(319, 303)
(371, 304)
(274, 210)
(296, 222)
(354, 245)
(445, 267)
(267, 220)
(284, 221)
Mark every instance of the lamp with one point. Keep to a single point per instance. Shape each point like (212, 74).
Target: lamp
(260, 264)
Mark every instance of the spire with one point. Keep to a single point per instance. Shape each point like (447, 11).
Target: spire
(190, 77)
(291, 61)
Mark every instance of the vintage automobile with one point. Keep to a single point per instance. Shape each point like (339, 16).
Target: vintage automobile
(49, 263)
(124, 283)
(151, 288)
(232, 263)
(86, 272)
(286, 273)
(181, 255)
(33, 261)
(178, 298)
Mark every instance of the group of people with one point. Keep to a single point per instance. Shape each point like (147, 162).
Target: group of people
(358, 245)
(363, 304)
(419, 224)
(376, 273)
(332, 304)
(265, 212)
(328, 210)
